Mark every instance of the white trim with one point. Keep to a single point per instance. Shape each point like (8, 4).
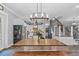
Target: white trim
(13, 12)
(71, 31)
(7, 47)
(59, 30)
(4, 13)
(4, 19)
(10, 10)
(63, 30)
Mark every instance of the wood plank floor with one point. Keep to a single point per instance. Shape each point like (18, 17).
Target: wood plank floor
(40, 53)
(39, 42)
(72, 51)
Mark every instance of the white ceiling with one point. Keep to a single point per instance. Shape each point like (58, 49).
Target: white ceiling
(52, 9)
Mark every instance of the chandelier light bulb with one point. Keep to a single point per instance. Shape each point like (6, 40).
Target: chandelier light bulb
(42, 14)
(30, 16)
(53, 18)
(77, 6)
(36, 15)
(46, 24)
(35, 26)
(74, 23)
(47, 15)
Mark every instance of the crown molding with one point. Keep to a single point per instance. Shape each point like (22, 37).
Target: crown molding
(13, 12)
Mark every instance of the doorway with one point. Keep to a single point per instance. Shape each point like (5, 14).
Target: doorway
(17, 33)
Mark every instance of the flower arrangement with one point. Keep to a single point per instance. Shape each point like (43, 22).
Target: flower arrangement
(38, 32)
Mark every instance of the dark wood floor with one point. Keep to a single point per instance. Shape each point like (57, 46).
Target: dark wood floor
(40, 53)
(39, 42)
(25, 51)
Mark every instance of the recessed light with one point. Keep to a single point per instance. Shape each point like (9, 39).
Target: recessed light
(74, 23)
(77, 6)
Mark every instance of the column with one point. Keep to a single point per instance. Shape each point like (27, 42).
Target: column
(59, 30)
(54, 29)
(63, 30)
(78, 26)
(71, 31)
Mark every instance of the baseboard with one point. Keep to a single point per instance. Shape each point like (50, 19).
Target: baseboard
(2, 49)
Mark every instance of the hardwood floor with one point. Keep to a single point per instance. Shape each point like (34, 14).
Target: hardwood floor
(42, 44)
(39, 42)
(19, 51)
(40, 53)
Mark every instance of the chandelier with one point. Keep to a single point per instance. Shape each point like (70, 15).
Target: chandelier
(39, 15)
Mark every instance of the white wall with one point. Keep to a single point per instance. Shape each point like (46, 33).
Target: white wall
(12, 20)
(4, 30)
(18, 22)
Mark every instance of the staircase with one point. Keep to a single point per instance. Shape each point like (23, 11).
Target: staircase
(67, 32)
(67, 39)
(76, 32)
